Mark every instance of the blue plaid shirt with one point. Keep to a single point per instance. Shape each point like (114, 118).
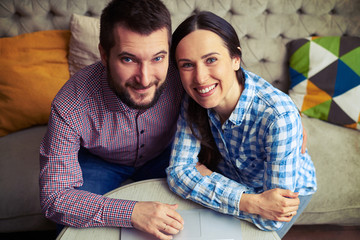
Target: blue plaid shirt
(260, 145)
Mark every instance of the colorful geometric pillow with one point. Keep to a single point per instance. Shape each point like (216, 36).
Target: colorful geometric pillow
(325, 78)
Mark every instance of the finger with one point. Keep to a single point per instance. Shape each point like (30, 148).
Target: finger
(291, 210)
(289, 213)
(287, 217)
(291, 202)
(174, 224)
(175, 217)
(172, 206)
(168, 229)
(162, 236)
(289, 194)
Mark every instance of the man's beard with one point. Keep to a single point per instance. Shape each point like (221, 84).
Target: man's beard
(124, 96)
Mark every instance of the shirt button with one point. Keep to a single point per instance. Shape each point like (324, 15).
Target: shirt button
(142, 131)
(142, 145)
(140, 156)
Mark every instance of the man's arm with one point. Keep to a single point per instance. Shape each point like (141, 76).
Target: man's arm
(61, 174)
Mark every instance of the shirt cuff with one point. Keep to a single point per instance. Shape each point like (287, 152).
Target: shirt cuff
(117, 212)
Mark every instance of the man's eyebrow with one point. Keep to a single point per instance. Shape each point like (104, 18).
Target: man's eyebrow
(205, 56)
(134, 56)
(161, 52)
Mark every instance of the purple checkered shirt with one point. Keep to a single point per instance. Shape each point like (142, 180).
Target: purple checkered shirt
(87, 113)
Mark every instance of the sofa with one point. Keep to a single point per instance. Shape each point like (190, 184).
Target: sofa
(43, 42)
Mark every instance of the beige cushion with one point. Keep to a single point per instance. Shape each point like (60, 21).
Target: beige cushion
(335, 151)
(84, 41)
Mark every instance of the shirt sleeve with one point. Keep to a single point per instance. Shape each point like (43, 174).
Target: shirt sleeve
(223, 194)
(215, 191)
(282, 146)
(60, 174)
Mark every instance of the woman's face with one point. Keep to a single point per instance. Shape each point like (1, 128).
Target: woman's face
(208, 72)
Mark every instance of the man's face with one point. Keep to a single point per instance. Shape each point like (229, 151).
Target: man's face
(137, 66)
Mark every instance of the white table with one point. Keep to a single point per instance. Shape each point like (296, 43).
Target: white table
(151, 190)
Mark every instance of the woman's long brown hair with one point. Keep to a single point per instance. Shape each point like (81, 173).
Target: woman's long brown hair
(197, 116)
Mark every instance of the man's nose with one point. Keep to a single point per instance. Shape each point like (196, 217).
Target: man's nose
(144, 74)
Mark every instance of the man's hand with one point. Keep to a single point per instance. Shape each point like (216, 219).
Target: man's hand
(275, 204)
(159, 219)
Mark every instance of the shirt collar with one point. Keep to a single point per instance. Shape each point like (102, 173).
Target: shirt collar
(244, 103)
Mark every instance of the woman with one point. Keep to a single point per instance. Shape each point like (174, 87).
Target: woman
(237, 146)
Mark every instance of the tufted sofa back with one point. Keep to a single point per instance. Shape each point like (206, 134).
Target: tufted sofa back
(264, 26)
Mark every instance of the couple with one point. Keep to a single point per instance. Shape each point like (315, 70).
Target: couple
(237, 146)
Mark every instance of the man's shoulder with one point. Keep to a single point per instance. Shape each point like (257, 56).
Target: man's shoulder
(83, 84)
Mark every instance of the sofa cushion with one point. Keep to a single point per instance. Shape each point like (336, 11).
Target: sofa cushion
(325, 78)
(33, 68)
(84, 41)
(335, 151)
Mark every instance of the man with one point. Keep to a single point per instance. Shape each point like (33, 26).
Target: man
(112, 121)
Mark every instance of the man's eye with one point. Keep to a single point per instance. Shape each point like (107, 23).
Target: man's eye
(127, 59)
(211, 60)
(158, 59)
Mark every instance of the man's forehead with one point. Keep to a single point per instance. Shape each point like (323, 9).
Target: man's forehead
(129, 40)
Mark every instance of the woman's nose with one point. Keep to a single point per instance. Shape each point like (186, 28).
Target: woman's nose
(201, 74)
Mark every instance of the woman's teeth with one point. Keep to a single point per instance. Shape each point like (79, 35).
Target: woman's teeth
(206, 90)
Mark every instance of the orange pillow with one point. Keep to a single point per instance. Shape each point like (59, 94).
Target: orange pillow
(33, 68)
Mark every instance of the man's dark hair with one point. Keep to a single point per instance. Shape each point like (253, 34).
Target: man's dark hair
(141, 16)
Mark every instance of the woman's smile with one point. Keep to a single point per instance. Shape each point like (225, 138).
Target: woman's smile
(206, 90)
(208, 72)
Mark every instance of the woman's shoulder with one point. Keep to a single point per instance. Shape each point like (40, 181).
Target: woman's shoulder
(270, 96)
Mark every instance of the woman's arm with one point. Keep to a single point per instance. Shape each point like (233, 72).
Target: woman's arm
(274, 204)
(194, 181)
(214, 191)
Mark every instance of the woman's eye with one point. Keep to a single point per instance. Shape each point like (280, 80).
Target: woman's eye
(210, 60)
(186, 65)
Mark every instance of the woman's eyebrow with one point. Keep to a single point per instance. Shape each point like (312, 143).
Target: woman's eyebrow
(205, 56)
(209, 54)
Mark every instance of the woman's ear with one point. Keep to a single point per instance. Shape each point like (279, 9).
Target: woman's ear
(236, 62)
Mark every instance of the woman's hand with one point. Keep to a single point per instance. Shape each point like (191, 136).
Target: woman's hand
(159, 219)
(275, 204)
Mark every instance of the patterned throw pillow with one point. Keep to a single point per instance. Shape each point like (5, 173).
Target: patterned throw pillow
(325, 78)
